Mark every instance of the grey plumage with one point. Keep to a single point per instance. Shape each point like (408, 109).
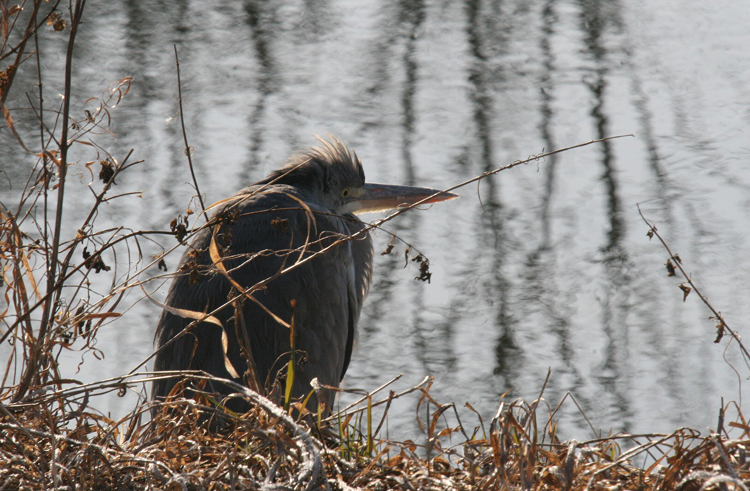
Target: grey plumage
(260, 231)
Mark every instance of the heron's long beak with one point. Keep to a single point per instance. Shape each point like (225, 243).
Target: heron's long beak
(381, 197)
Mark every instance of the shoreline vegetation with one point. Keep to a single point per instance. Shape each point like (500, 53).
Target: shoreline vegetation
(53, 437)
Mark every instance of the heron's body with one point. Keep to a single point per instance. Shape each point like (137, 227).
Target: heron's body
(260, 231)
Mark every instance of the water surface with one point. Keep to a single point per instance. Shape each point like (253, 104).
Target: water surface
(543, 267)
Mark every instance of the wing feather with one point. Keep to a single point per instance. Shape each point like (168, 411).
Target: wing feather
(269, 234)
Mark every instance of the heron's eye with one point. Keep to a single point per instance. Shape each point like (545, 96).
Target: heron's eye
(345, 193)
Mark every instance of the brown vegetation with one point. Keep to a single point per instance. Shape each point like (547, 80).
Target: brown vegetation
(53, 440)
(52, 437)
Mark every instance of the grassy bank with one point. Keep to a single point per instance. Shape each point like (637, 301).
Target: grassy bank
(54, 435)
(55, 439)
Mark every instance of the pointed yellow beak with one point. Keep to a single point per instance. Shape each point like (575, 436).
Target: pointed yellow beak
(382, 197)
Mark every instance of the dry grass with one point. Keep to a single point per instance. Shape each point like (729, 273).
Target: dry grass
(54, 440)
(52, 436)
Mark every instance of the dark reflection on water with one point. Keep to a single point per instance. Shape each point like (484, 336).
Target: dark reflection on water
(543, 267)
(540, 261)
(491, 235)
(596, 17)
(260, 23)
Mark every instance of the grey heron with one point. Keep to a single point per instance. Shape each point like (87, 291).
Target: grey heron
(292, 222)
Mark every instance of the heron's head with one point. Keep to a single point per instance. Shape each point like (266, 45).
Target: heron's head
(333, 176)
(331, 173)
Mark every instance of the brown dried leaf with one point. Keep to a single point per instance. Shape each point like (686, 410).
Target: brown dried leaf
(107, 172)
(388, 249)
(178, 226)
(406, 256)
(685, 289)
(670, 268)
(94, 261)
(719, 331)
(447, 431)
(280, 224)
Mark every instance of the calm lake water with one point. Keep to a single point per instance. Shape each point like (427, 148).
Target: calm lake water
(543, 267)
